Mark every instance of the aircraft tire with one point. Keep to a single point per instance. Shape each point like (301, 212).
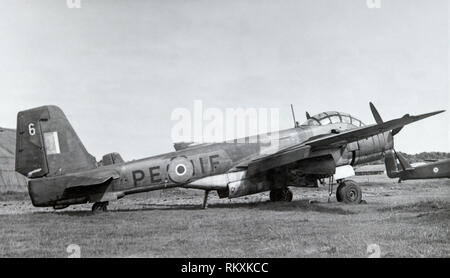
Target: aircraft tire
(349, 192)
(275, 195)
(287, 195)
(339, 192)
(281, 195)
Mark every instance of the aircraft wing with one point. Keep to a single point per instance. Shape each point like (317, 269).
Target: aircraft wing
(283, 157)
(302, 151)
(348, 136)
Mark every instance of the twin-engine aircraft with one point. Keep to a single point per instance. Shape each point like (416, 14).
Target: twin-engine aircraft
(398, 167)
(61, 172)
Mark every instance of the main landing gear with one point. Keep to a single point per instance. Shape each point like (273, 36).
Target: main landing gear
(283, 195)
(348, 192)
(100, 206)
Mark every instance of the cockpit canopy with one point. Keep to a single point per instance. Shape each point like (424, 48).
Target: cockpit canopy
(333, 117)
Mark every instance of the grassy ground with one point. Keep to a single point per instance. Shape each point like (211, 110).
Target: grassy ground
(411, 219)
(13, 196)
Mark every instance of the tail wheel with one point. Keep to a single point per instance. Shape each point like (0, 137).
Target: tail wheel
(349, 192)
(100, 206)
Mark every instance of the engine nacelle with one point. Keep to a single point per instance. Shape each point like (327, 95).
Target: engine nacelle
(246, 187)
(231, 185)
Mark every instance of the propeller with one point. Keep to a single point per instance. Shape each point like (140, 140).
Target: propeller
(379, 120)
(397, 130)
(375, 114)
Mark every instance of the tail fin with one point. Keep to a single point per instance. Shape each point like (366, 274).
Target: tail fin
(390, 161)
(395, 164)
(47, 145)
(403, 162)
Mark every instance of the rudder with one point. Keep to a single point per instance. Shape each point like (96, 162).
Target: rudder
(47, 145)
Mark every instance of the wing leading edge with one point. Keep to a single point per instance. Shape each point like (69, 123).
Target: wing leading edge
(348, 136)
(302, 151)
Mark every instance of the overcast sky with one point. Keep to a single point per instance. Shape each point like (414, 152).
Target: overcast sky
(119, 68)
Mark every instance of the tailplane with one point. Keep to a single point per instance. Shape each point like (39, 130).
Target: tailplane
(47, 145)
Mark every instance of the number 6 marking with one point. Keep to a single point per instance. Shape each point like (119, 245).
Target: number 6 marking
(31, 129)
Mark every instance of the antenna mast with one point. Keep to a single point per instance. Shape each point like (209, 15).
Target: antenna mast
(293, 116)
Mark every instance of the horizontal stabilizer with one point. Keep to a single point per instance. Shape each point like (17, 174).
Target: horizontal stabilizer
(78, 184)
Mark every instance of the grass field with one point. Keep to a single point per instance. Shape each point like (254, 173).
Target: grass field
(411, 219)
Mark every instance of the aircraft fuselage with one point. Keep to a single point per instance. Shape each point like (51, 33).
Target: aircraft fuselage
(205, 167)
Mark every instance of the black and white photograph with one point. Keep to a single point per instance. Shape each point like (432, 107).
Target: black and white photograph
(241, 129)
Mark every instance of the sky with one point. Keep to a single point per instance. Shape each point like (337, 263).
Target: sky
(119, 68)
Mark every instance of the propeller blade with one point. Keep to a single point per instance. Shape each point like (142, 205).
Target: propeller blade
(375, 114)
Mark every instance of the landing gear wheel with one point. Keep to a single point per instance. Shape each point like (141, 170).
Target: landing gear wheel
(100, 206)
(275, 195)
(339, 192)
(284, 195)
(349, 192)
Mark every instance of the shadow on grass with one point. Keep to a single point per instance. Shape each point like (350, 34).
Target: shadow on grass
(421, 206)
(296, 205)
(439, 216)
(14, 196)
(78, 213)
(436, 211)
(300, 205)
